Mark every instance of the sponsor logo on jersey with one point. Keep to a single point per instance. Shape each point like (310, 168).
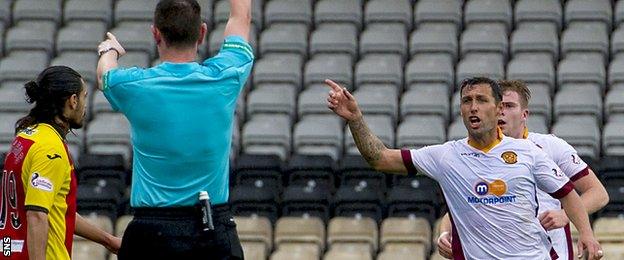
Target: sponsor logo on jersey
(41, 183)
(557, 172)
(497, 188)
(509, 157)
(29, 131)
(576, 159)
(473, 154)
(54, 156)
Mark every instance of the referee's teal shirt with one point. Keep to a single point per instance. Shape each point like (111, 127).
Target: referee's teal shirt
(180, 117)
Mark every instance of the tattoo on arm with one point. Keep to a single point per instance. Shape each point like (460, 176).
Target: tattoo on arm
(369, 145)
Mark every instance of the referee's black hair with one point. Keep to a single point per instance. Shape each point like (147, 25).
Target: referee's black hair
(179, 21)
(48, 92)
(497, 93)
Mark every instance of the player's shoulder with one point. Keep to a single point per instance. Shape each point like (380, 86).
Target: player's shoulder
(547, 140)
(44, 138)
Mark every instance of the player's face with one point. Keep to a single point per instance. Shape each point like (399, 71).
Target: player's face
(513, 117)
(479, 109)
(78, 115)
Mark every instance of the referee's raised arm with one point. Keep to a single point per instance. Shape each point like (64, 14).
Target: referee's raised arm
(240, 19)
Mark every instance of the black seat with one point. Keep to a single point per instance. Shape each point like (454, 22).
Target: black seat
(615, 208)
(248, 200)
(303, 168)
(420, 198)
(101, 162)
(611, 168)
(311, 199)
(251, 168)
(86, 175)
(99, 198)
(365, 201)
(354, 169)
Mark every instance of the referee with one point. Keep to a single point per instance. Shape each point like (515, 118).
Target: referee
(180, 113)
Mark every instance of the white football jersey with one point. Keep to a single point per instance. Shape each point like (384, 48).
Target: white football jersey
(566, 157)
(492, 196)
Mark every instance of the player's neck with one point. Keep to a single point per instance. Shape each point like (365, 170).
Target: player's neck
(486, 141)
(178, 55)
(61, 126)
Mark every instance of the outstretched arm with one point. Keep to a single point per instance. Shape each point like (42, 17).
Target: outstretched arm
(91, 232)
(574, 208)
(240, 19)
(372, 149)
(109, 50)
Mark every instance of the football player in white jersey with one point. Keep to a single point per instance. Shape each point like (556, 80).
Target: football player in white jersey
(513, 123)
(489, 181)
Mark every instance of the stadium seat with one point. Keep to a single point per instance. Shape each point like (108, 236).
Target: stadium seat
(250, 168)
(22, 65)
(609, 230)
(31, 35)
(419, 131)
(318, 136)
(415, 250)
(97, 198)
(414, 200)
(616, 73)
(83, 62)
(88, 10)
(580, 11)
(586, 139)
(426, 99)
(618, 16)
(405, 230)
(301, 230)
(528, 11)
(586, 39)
(136, 36)
(334, 39)
(255, 229)
(7, 129)
(288, 11)
(457, 130)
(272, 99)
(430, 68)
(354, 170)
(88, 250)
(582, 69)
(488, 11)
(487, 66)
(101, 162)
(255, 200)
(378, 101)
(535, 38)
(37, 10)
(254, 250)
(135, 59)
(484, 39)
(538, 124)
(353, 230)
(109, 134)
(434, 11)
(613, 250)
(434, 40)
(329, 11)
(389, 11)
(301, 251)
(307, 200)
(5, 11)
(267, 134)
(284, 38)
(613, 139)
(12, 98)
(379, 69)
(381, 126)
(80, 36)
(540, 104)
(578, 99)
(313, 101)
(336, 67)
(100, 104)
(134, 11)
(348, 253)
(121, 224)
(611, 169)
(532, 70)
(617, 42)
(278, 68)
(614, 105)
(222, 12)
(303, 168)
(615, 189)
(383, 39)
(361, 200)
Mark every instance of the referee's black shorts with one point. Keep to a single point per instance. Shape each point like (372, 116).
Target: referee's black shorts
(176, 233)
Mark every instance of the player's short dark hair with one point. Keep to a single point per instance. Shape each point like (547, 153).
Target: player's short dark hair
(496, 89)
(519, 87)
(179, 21)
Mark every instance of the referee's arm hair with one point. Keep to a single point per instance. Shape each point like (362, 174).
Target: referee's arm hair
(240, 19)
(380, 157)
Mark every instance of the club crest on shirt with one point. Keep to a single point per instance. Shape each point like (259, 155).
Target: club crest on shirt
(509, 157)
(41, 183)
(576, 159)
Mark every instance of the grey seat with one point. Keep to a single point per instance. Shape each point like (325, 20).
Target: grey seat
(313, 101)
(581, 132)
(13, 98)
(134, 10)
(540, 104)
(100, 104)
(579, 99)
(279, 68)
(284, 38)
(327, 66)
(222, 12)
(532, 70)
(109, 133)
(488, 11)
(383, 39)
(585, 38)
(455, 110)
(420, 131)
(619, 14)
(581, 69)
(80, 36)
(215, 40)
(616, 72)
(488, 66)
(278, 99)
(379, 69)
(613, 139)
(426, 99)
(598, 11)
(535, 38)
(2, 30)
(431, 68)
(135, 59)
(5, 11)
(537, 124)
(268, 134)
(381, 126)
(37, 10)
(430, 40)
(457, 130)
(22, 65)
(88, 10)
(614, 105)
(389, 11)
(538, 11)
(617, 42)
(83, 62)
(206, 11)
(319, 135)
(136, 36)
(436, 11)
(484, 39)
(31, 35)
(334, 38)
(76, 143)
(7, 129)
(378, 101)
(288, 11)
(330, 11)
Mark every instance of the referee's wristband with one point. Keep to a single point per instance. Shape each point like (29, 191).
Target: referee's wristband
(100, 53)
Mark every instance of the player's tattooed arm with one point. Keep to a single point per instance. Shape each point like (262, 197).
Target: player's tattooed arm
(367, 143)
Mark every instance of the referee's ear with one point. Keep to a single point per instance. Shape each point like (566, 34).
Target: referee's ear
(203, 29)
(156, 34)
